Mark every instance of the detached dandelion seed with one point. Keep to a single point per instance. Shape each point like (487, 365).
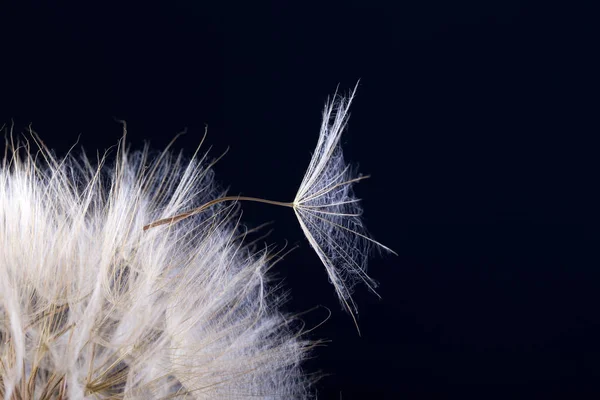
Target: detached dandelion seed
(326, 208)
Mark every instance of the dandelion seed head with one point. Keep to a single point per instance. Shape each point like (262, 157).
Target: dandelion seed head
(93, 306)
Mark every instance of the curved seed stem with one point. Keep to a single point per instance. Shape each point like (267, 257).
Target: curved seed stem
(203, 207)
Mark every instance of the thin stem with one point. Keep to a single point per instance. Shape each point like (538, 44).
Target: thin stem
(203, 207)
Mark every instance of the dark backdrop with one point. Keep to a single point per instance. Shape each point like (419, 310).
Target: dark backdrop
(477, 121)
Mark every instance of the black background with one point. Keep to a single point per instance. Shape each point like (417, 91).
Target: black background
(477, 121)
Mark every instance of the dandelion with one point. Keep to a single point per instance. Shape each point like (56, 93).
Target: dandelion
(95, 304)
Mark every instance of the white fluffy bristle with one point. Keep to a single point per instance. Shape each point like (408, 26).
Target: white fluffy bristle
(93, 306)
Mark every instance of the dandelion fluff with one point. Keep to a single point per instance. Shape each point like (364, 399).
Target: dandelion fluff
(92, 306)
